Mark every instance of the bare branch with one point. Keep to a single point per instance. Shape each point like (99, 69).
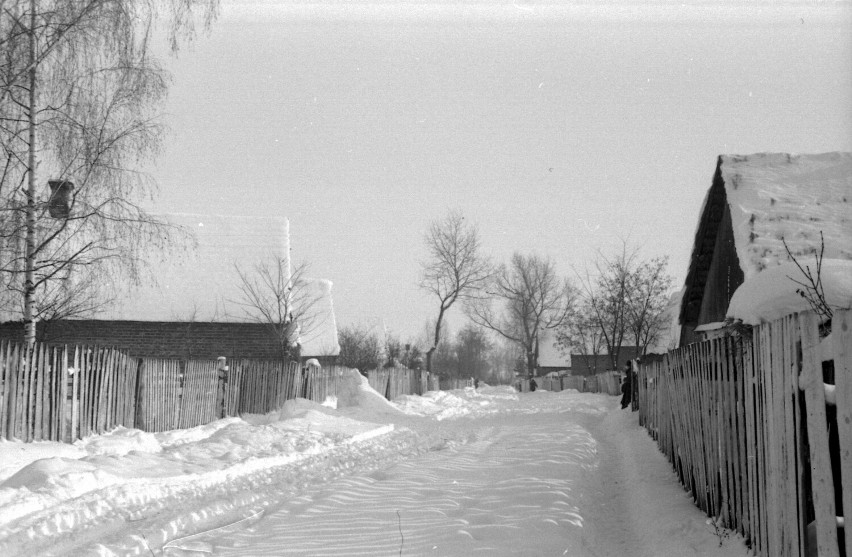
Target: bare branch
(531, 297)
(455, 269)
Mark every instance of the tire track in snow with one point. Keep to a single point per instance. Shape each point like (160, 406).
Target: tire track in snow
(510, 485)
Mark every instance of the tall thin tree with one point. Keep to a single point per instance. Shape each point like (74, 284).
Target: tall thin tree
(454, 270)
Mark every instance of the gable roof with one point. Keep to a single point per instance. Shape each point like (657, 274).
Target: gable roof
(791, 197)
(200, 282)
(549, 355)
(773, 197)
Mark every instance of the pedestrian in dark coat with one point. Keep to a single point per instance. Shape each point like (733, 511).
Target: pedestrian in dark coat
(627, 387)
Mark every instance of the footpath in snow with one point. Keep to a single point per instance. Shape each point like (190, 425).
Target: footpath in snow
(449, 473)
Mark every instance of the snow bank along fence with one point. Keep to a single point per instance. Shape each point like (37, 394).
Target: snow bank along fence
(452, 383)
(396, 381)
(760, 431)
(606, 383)
(178, 394)
(61, 393)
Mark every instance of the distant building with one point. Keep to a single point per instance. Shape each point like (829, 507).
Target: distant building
(589, 364)
(192, 309)
(754, 203)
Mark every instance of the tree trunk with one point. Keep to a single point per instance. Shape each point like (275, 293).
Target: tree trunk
(436, 340)
(29, 276)
(531, 363)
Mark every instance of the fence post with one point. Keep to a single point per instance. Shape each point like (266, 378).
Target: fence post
(221, 384)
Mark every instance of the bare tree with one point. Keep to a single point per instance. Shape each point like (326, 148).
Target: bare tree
(472, 350)
(360, 348)
(532, 298)
(627, 297)
(289, 303)
(455, 268)
(78, 91)
(810, 282)
(648, 300)
(583, 334)
(608, 297)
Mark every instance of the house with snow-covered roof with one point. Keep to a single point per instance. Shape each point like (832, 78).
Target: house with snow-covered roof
(195, 305)
(739, 266)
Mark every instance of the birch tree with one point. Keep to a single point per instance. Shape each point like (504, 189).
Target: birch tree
(79, 91)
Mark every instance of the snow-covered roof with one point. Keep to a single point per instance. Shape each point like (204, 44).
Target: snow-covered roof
(669, 336)
(772, 294)
(200, 282)
(319, 332)
(772, 198)
(795, 197)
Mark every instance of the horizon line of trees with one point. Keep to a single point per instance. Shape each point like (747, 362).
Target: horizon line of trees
(620, 299)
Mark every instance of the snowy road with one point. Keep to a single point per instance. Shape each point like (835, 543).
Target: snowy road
(505, 489)
(544, 483)
(489, 472)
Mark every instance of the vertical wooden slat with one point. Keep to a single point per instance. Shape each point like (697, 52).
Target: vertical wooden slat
(16, 390)
(751, 463)
(82, 394)
(778, 467)
(63, 395)
(789, 372)
(821, 479)
(842, 352)
(37, 405)
(734, 439)
(5, 394)
(27, 404)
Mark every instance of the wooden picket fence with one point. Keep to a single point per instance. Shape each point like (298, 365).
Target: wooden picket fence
(606, 383)
(760, 431)
(61, 393)
(397, 381)
(451, 383)
(66, 393)
(179, 394)
(264, 386)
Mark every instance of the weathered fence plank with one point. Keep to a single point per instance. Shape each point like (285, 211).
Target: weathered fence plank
(842, 345)
(822, 479)
(745, 422)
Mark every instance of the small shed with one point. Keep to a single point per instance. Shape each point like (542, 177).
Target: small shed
(754, 205)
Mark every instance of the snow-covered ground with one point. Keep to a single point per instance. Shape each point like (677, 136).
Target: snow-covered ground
(449, 473)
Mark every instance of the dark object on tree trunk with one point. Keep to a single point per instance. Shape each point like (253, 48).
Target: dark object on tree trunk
(59, 205)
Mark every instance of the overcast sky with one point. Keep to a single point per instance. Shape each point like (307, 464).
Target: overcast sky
(558, 128)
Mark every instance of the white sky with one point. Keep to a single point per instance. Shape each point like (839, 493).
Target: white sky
(557, 128)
